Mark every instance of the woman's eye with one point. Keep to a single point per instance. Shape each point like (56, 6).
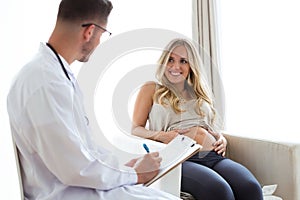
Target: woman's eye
(184, 61)
(171, 60)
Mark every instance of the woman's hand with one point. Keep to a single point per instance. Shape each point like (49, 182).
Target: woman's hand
(220, 145)
(166, 137)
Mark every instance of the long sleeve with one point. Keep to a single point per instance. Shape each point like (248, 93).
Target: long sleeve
(54, 125)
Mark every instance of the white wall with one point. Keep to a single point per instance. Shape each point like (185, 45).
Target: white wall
(23, 25)
(261, 67)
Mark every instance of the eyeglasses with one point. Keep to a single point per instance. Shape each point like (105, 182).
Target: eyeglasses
(106, 33)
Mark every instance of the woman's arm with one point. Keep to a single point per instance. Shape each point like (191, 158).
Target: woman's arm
(142, 107)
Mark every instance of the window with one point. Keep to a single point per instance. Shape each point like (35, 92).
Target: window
(260, 67)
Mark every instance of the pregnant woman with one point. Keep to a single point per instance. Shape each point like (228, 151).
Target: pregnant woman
(180, 103)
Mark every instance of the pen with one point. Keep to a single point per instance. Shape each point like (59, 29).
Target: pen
(146, 148)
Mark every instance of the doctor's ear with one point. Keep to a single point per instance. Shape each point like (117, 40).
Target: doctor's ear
(88, 31)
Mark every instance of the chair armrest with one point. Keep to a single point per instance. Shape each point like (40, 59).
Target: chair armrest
(271, 162)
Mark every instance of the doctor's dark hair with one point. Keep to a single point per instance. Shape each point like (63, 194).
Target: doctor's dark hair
(84, 10)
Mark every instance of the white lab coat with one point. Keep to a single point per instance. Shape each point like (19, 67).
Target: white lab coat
(58, 158)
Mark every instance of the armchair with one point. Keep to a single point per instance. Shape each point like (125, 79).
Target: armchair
(270, 162)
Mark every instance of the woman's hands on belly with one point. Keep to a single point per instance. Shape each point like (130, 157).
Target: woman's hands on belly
(208, 140)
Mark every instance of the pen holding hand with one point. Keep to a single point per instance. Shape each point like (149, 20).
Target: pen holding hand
(147, 166)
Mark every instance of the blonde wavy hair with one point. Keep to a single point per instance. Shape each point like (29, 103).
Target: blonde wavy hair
(195, 82)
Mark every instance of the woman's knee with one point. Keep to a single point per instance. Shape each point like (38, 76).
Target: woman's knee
(220, 190)
(242, 181)
(250, 189)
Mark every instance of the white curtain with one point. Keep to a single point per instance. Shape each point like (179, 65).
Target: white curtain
(205, 33)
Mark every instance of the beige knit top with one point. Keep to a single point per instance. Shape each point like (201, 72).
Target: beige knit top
(163, 118)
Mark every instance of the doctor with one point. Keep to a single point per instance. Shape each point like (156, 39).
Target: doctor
(57, 155)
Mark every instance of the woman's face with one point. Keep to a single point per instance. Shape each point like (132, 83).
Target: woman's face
(178, 67)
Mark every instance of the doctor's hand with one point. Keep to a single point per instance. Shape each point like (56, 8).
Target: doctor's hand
(147, 167)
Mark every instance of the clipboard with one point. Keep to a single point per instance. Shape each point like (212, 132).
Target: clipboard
(176, 152)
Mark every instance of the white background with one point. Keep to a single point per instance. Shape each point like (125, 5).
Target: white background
(23, 25)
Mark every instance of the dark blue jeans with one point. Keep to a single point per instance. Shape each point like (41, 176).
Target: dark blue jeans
(213, 177)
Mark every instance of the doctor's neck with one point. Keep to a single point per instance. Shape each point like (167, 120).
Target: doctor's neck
(66, 40)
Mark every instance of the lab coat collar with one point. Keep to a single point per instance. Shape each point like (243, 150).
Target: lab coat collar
(44, 48)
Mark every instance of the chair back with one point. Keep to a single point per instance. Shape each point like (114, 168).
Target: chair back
(19, 170)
